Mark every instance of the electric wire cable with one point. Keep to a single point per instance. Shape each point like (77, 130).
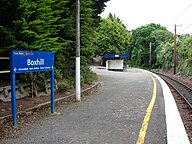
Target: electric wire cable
(183, 12)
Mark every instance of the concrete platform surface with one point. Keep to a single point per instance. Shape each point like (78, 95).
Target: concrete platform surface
(116, 114)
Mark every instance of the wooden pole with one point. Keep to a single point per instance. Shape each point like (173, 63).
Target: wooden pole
(175, 47)
(150, 57)
(77, 71)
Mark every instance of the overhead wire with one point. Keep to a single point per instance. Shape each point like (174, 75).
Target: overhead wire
(183, 12)
(186, 27)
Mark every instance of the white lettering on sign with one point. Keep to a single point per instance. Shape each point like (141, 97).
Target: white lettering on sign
(35, 62)
(22, 69)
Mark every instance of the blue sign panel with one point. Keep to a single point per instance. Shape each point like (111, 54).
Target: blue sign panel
(31, 61)
(116, 55)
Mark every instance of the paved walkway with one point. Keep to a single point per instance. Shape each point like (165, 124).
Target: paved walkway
(116, 114)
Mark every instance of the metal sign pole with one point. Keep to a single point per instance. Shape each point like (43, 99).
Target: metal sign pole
(13, 92)
(13, 100)
(52, 91)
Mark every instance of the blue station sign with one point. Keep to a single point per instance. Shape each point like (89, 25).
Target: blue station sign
(111, 56)
(31, 61)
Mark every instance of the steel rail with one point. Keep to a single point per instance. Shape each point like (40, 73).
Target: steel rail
(175, 80)
(180, 83)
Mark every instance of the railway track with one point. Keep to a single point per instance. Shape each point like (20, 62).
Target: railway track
(182, 89)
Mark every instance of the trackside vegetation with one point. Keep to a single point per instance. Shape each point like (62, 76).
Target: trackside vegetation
(162, 49)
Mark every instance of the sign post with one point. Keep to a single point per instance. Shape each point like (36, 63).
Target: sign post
(52, 91)
(30, 61)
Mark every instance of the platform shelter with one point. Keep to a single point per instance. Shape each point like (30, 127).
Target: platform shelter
(115, 61)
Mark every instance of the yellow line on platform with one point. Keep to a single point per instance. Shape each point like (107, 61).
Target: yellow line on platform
(142, 133)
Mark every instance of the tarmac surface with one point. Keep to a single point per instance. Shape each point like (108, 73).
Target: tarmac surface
(113, 115)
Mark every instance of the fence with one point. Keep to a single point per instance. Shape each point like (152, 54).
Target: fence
(4, 71)
(22, 89)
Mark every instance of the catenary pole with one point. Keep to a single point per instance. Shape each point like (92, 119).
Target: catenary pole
(175, 47)
(150, 55)
(77, 70)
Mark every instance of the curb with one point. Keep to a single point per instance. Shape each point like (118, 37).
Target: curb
(176, 133)
(45, 105)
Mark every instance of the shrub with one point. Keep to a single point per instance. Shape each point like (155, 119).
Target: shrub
(65, 85)
(88, 77)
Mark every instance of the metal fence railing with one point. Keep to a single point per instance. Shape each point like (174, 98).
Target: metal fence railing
(4, 58)
(4, 71)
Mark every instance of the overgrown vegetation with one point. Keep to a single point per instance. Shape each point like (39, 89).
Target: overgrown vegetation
(162, 49)
(140, 44)
(50, 25)
(184, 56)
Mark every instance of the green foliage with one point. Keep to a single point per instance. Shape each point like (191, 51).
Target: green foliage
(35, 28)
(50, 25)
(165, 55)
(98, 8)
(37, 80)
(140, 40)
(162, 49)
(65, 84)
(162, 35)
(7, 40)
(88, 77)
(112, 37)
(184, 53)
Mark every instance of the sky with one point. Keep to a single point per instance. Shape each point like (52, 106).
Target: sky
(137, 13)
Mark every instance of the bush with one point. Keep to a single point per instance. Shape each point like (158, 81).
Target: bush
(65, 84)
(90, 78)
(87, 76)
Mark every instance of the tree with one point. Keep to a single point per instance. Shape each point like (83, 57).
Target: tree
(88, 25)
(8, 9)
(112, 37)
(140, 40)
(98, 7)
(184, 55)
(35, 28)
(165, 55)
(50, 25)
(161, 37)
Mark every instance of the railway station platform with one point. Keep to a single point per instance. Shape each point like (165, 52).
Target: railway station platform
(133, 106)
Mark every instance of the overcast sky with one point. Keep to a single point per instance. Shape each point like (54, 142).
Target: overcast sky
(136, 13)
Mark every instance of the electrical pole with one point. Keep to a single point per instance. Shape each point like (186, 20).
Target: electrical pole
(150, 56)
(175, 47)
(77, 70)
